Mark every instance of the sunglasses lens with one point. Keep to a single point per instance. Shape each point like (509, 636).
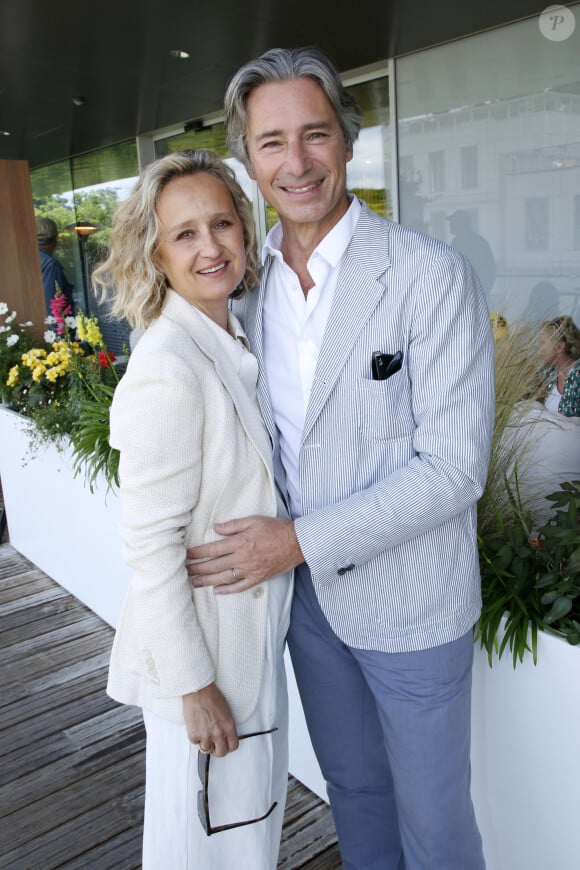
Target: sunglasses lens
(202, 811)
(202, 763)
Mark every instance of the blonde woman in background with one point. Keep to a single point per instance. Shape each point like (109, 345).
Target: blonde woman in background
(206, 668)
(560, 344)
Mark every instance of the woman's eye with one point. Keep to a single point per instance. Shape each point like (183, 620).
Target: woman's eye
(186, 234)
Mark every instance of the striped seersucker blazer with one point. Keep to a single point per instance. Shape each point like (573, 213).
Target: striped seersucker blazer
(391, 470)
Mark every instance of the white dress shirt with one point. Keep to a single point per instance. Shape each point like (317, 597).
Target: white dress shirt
(293, 331)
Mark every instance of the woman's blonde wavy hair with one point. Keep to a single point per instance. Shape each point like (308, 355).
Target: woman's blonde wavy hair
(130, 276)
(564, 329)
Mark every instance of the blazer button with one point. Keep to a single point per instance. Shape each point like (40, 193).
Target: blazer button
(257, 592)
(346, 568)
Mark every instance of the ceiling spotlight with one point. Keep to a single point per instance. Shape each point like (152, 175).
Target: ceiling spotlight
(79, 101)
(4, 132)
(179, 53)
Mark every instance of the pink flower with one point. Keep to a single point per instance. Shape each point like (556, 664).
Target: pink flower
(60, 309)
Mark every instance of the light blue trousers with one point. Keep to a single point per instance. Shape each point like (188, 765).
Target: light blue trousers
(391, 732)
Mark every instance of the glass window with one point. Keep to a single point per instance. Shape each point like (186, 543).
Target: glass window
(86, 189)
(52, 198)
(469, 169)
(436, 171)
(536, 223)
(509, 174)
(369, 171)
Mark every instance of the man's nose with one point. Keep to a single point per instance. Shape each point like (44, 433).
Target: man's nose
(297, 159)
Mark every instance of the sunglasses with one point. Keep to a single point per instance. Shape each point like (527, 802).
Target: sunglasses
(203, 765)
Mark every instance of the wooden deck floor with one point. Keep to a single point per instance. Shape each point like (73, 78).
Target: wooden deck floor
(71, 760)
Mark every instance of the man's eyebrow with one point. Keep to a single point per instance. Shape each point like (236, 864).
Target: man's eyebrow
(311, 125)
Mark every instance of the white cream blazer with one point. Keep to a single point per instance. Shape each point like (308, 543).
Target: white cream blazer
(194, 451)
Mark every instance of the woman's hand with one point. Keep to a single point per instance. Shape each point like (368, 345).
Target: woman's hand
(209, 721)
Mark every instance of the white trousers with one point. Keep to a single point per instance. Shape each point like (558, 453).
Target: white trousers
(243, 785)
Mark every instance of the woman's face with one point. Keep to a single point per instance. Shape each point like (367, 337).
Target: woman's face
(201, 244)
(550, 346)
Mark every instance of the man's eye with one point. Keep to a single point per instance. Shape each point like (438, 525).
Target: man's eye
(222, 225)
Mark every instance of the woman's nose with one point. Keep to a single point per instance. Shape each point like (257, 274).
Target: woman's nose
(210, 244)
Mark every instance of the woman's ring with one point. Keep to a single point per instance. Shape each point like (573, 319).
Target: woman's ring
(206, 751)
(233, 570)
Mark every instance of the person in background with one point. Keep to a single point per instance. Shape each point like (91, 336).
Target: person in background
(542, 304)
(560, 345)
(377, 387)
(53, 277)
(473, 246)
(207, 671)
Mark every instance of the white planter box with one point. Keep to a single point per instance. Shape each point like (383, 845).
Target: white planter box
(525, 723)
(55, 521)
(525, 757)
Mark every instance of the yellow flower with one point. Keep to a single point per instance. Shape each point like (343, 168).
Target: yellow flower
(38, 372)
(499, 324)
(81, 331)
(88, 330)
(31, 357)
(12, 377)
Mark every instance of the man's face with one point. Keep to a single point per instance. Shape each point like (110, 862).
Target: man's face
(297, 153)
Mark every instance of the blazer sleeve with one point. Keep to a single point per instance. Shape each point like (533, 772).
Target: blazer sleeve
(157, 424)
(451, 367)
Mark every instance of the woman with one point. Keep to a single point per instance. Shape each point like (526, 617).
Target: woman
(560, 345)
(206, 669)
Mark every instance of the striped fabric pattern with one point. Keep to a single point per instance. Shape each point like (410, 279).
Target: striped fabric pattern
(391, 470)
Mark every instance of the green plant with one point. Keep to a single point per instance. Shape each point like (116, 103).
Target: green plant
(531, 577)
(66, 385)
(92, 453)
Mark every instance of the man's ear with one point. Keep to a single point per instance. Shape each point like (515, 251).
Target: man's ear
(250, 170)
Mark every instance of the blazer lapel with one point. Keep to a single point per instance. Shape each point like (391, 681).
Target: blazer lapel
(357, 294)
(251, 316)
(183, 313)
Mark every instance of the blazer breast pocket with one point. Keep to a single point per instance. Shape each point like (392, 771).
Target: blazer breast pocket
(384, 408)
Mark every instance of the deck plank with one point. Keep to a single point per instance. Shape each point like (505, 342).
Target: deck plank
(71, 759)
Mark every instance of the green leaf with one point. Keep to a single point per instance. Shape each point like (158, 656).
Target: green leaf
(560, 608)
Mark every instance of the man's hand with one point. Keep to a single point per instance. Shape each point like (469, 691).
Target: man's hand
(253, 549)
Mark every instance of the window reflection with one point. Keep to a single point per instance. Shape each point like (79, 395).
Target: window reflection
(499, 142)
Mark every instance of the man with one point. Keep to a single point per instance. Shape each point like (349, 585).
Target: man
(376, 385)
(474, 247)
(53, 276)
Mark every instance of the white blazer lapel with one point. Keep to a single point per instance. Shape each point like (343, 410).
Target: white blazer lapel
(182, 312)
(251, 314)
(357, 294)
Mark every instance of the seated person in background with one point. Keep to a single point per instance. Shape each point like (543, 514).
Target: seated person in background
(53, 276)
(560, 343)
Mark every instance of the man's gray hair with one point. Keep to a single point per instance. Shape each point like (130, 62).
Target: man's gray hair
(280, 65)
(46, 230)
